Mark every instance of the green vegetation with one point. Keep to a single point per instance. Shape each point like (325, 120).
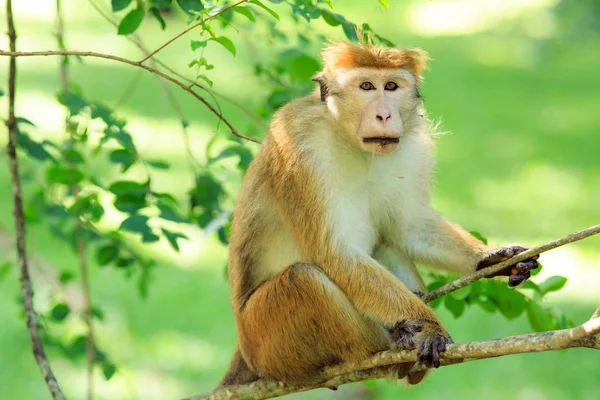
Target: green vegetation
(516, 85)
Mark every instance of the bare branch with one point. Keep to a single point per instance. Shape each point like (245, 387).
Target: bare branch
(456, 353)
(136, 64)
(26, 287)
(190, 28)
(534, 251)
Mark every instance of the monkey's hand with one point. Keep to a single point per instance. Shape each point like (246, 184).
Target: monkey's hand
(432, 341)
(403, 333)
(517, 273)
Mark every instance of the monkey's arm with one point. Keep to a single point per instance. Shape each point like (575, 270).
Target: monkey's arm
(432, 240)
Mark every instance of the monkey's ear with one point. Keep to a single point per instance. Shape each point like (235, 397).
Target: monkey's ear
(323, 86)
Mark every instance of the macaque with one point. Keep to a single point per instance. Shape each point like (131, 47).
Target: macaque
(332, 217)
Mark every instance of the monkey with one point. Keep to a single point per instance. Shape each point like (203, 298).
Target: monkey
(332, 218)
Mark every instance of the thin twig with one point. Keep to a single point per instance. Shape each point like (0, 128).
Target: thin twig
(138, 42)
(455, 353)
(190, 28)
(534, 251)
(90, 348)
(136, 64)
(26, 287)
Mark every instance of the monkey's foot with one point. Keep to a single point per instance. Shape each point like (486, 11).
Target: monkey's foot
(430, 349)
(402, 334)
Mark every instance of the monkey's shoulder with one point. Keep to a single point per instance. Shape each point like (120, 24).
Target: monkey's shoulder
(300, 117)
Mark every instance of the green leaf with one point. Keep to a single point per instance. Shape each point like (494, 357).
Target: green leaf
(456, 307)
(190, 5)
(107, 254)
(486, 304)
(131, 22)
(172, 238)
(98, 313)
(205, 79)
(245, 12)
(384, 3)
(196, 44)
(135, 223)
(207, 192)
(267, 9)
(108, 369)
(60, 312)
(539, 318)
(479, 236)
(350, 31)
(72, 156)
(301, 67)
(67, 176)
(510, 302)
(242, 152)
(66, 277)
(552, 284)
(536, 271)
(169, 214)
(5, 268)
(158, 164)
(72, 101)
(1, 92)
(33, 148)
(225, 42)
(125, 157)
(332, 18)
(118, 5)
(128, 187)
(154, 11)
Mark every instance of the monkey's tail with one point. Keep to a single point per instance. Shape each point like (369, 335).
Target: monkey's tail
(238, 372)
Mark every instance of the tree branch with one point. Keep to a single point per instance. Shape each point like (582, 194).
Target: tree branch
(26, 287)
(332, 377)
(137, 41)
(135, 64)
(534, 251)
(190, 28)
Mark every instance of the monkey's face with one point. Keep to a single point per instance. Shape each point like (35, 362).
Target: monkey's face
(374, 106)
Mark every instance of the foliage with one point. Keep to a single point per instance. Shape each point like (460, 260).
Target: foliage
(69, 197)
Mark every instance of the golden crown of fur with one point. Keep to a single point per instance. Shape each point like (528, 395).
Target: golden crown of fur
(365, 54)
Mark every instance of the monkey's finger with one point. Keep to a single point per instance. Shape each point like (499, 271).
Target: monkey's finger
(442, 346)
(526, 266)
(517, 249)
(435, 355)
(515, 280)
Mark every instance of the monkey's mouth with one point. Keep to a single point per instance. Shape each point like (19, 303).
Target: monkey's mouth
(382, 140)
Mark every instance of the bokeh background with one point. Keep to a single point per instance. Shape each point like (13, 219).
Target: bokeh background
(515, 83)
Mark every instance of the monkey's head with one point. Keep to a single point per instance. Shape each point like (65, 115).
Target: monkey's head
(372, 92)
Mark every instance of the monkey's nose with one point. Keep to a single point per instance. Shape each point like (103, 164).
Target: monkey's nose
(383, 118)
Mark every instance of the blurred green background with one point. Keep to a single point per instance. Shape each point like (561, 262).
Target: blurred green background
(515, 83)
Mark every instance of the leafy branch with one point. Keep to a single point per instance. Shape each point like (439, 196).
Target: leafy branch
(467, 280)
(135, 64)
(26, 287)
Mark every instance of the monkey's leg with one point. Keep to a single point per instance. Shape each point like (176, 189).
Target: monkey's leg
(299, 321)
(238, 372)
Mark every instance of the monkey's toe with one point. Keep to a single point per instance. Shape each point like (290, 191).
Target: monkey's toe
(430, 349)
(403, 333)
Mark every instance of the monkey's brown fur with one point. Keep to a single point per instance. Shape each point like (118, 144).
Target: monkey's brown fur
(324, 200)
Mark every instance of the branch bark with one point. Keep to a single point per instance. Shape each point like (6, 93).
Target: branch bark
(26, 287)
(534, 251)
(331, 377)
(135, 64)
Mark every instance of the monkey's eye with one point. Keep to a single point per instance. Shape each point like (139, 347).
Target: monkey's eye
(367, 86)
(391, 86)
